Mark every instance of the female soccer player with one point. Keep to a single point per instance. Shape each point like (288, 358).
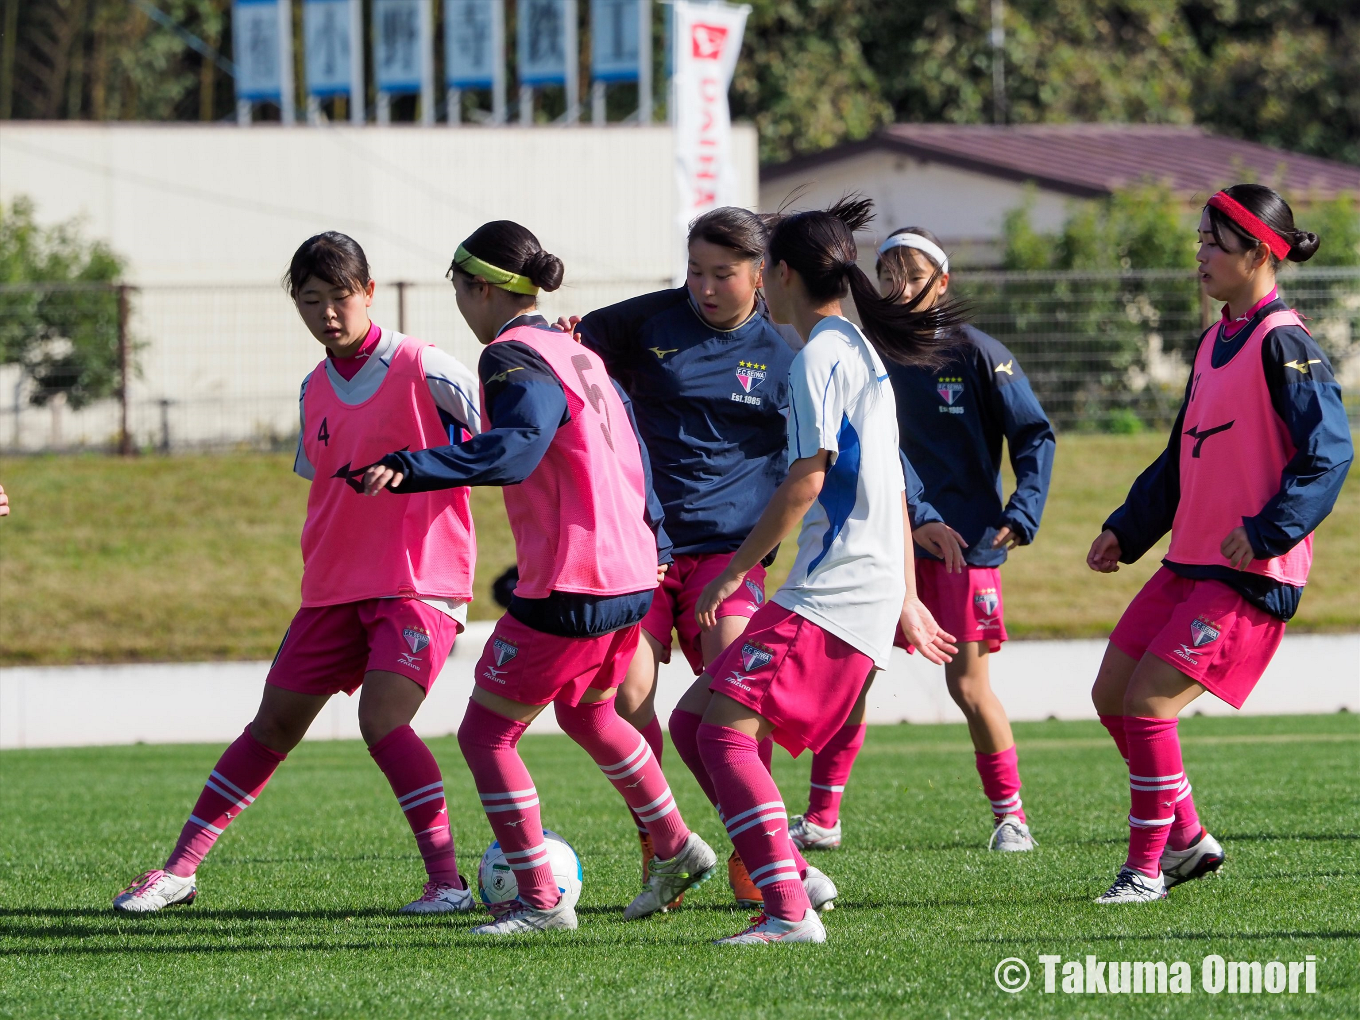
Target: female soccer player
(385, 586)
(708, 376)
(805, 656)
(951, 421)
(561, 439)
(1258, 454)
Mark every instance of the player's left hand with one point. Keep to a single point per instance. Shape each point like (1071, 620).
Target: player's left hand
(661, 569)
(1007, 537)
(379, 477)
(921, 630)
(1237, 550)
(718, 589)
(4, 503)
(567, 324)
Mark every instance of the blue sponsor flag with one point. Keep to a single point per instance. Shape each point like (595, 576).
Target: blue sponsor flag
(614, 40)
(257, 45)
(472, 44)
(542, 38)
(327, 32)
(400, 45)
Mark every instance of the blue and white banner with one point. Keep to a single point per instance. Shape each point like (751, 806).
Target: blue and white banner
(474, 43)
(258, 50)
(401, 45)
(328, 33)
(545, 34)
(614, 42)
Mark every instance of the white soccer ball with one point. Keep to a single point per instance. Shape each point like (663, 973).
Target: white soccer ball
(496, 882)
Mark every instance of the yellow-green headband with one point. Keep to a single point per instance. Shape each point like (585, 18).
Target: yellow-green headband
(513, 282)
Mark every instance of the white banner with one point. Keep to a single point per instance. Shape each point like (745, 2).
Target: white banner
(544, 36)
(401, 45)
(705, 47)
(329, 44)
(260, 48)
(473, 47)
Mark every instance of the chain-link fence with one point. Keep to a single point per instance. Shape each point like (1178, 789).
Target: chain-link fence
(183, 367)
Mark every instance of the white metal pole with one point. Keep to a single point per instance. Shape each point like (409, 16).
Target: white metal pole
(526, 104)
(383, 114)
(287, 92)
(244, 112)
(498, 105)
(573, 54)
(426, 64)
(357, 92)
(454, 102)
(597, 110)
(644, 61)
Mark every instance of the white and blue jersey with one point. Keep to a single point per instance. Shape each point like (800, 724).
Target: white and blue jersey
(849, 575)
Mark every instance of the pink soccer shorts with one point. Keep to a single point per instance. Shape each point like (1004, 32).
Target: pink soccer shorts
(535, 668)
(967, 605)
(328, 649)
(673, 605)
(794, 674)
(1203, 628)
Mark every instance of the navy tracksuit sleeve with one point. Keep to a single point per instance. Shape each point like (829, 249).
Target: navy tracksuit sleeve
(1308, 400)
(1150, 506)
(524, 407)
(921, 512)
(1029, 438)
(655, 517)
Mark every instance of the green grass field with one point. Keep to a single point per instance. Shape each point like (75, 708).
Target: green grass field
(295, 916)
(196, 557)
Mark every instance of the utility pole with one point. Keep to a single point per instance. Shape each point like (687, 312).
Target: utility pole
(998, 39)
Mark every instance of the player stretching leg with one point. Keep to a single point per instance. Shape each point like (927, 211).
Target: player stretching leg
(708, 376)
(799, 668)
(384, 586)
(1256, 459)
(561, 440)
(952, 421)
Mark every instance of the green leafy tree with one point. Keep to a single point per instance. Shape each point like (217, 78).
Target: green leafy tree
(58, 317)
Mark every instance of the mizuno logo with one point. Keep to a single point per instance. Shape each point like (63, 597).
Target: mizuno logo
(1199, 437)
(660, 354)
(1008, 367)
(500, 376)
(354, 477)
(1302, 366)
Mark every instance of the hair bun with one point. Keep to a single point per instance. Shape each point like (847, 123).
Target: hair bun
(544, 270)
(1304, 244)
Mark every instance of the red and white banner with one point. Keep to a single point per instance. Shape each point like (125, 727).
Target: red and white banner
(706, 42)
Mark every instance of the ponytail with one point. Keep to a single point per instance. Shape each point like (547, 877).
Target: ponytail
(820, 247)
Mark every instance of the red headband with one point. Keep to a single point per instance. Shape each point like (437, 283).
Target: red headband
(1245, 219)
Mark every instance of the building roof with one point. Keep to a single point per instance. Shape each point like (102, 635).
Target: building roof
(1091, 160)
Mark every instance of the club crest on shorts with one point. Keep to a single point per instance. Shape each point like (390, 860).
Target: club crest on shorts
(753, 656)
(750, 374)
(504, 651)
(757, 596)
(986, 601)
(1202, 633)
(416, 639)
(950, 388)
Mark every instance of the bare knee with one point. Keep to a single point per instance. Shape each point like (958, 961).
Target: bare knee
(276, 733)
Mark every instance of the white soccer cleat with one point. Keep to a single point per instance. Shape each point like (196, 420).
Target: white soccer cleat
(694, 864)
(1132, 886)
(522, 919)
(821, 891)
(810, 836)
(1010, 835)
(765, 929)
(155, 890)
(1203, 857)
(442, 898)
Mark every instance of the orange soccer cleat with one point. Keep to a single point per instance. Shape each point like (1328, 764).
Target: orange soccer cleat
(745, 891)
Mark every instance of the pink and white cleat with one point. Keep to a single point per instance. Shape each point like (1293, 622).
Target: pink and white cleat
(443, 898)
(155, 890)
(765, 929)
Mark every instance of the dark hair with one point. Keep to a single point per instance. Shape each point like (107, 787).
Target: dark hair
(730, 226)
(1272, 210)
(507, 245)
(333, 257)
(820, 248)
(898, 261)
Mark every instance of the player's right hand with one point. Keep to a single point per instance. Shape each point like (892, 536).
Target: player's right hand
(1105, 553)
(924, 634)
(4, 503)
(379, 477)
(944, 542)
(567, 324)
(713, 595)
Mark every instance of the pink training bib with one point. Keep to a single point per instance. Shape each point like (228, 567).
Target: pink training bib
(357, 547)
(1233, 449)
(579, 519)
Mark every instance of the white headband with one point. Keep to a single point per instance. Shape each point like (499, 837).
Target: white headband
(920, 243)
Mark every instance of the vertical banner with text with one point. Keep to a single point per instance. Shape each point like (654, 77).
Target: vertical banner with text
(474, 53)
(403, 61)
(332, 33)
(614, 40)
(706, 41)
(262, 46)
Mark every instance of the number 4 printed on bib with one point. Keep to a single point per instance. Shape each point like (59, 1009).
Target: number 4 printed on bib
(323, 435)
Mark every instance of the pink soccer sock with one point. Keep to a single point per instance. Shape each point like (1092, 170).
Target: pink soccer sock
(628, 762)
(1186, 828)
(652, 734)
(509, 799)
(830, 770)
(414, 774)
(685, 737)
(1000, 772)
(1156, 778)
(241, 773)
(755, 819)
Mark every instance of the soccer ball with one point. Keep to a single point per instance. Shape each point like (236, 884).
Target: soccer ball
(496, 882)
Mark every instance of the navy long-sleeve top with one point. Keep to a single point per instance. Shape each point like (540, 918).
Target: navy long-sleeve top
(1306, 396)
(524, 405)
(711, 405)
(952, 422)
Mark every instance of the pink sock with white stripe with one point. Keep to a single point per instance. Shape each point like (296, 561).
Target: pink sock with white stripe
(241, 773)
(830, 771)
(509, 799)
(1186, 828)
(652, 734)
(755, 818)
(414, 774)
(1156, 778)
(1000, 772)
(627, 761)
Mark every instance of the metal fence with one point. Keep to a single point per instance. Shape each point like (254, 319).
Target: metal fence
(185, 367)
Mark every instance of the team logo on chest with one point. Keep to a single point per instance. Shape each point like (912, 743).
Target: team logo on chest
(753, 656)
(750, 375)
(950, 389)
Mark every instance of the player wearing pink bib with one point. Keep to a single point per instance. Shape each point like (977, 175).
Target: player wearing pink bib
(384, 584)
(1256, 460)
(561, 440)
